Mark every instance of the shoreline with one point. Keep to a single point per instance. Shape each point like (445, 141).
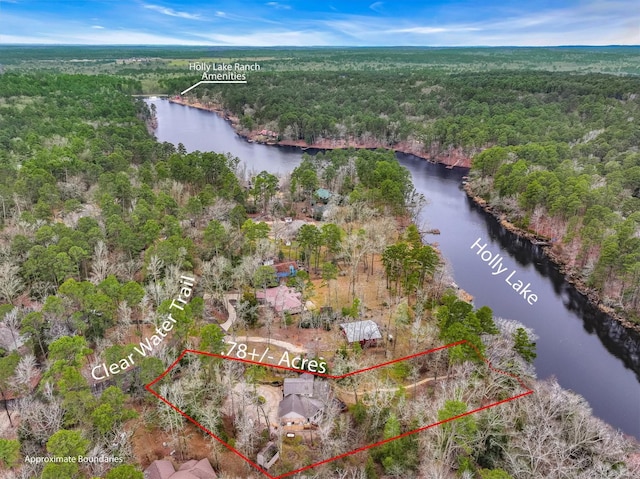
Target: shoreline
(453, 158)
(569, 276)
(444, 159)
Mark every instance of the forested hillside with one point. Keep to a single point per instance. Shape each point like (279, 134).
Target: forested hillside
(580, 187)
(91, 243)
(439, 111)
(165, 60)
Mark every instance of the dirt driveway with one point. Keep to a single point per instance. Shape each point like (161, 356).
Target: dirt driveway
(271, 394)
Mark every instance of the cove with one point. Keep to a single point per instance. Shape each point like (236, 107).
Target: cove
(587, 351)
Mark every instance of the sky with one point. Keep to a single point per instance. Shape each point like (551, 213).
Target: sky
(321, 22)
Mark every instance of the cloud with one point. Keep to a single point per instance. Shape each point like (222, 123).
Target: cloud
(273, 38)
(269, 24)
(434, 30)
(100, 37)
(42, 30)
(376, 7)
(172, 13)
(586, 24)
(232, 17)
(278, 6)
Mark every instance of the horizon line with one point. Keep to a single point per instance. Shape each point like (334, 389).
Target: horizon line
(305, 46)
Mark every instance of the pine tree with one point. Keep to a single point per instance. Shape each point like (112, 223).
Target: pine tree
(523, 346)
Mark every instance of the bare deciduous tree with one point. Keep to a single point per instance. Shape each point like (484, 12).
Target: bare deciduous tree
(244, 273)
(41, 419)
(25, 372)
(101, 267)
(354, 248)
(171, 420)
(155, 269)
(215, 277)
(10, 283)
(11, 323)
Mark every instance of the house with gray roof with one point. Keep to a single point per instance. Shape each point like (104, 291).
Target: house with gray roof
(302, 385)
(297, 412)
(305, 399)
(365, 332)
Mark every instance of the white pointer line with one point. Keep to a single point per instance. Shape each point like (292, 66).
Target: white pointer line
(212, 81)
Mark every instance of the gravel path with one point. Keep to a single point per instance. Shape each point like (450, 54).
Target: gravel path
(276, 342)
(232, 311)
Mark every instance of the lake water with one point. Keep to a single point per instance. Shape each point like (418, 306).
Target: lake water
(585, 350)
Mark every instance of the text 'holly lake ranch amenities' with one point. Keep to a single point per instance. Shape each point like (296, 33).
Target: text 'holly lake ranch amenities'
(102, 371)
(494, 261)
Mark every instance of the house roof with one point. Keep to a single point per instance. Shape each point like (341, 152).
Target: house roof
(361, 331)
(163, 469)
(300, 385)
(183, 475)
(296, 405)
(286, 266)
(323, 194)
(15, 394)
(188, 465)
(281, 298)
(201, 469)
(321, 390)
(160, 469)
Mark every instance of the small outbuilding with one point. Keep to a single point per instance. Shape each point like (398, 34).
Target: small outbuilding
(365, 332)
(268, 455)
(323, 194)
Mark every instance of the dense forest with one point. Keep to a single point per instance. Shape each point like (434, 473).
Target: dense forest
(99, 221)
(167, 59)
(440, 111)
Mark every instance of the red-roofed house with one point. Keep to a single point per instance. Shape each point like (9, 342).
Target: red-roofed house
(163, 469)
(286, 269)
(282, 299)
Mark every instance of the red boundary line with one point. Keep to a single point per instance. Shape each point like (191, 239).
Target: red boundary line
(355, 451)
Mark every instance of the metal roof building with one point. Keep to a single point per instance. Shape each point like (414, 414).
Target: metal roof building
(361, 331)
(323, 194)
